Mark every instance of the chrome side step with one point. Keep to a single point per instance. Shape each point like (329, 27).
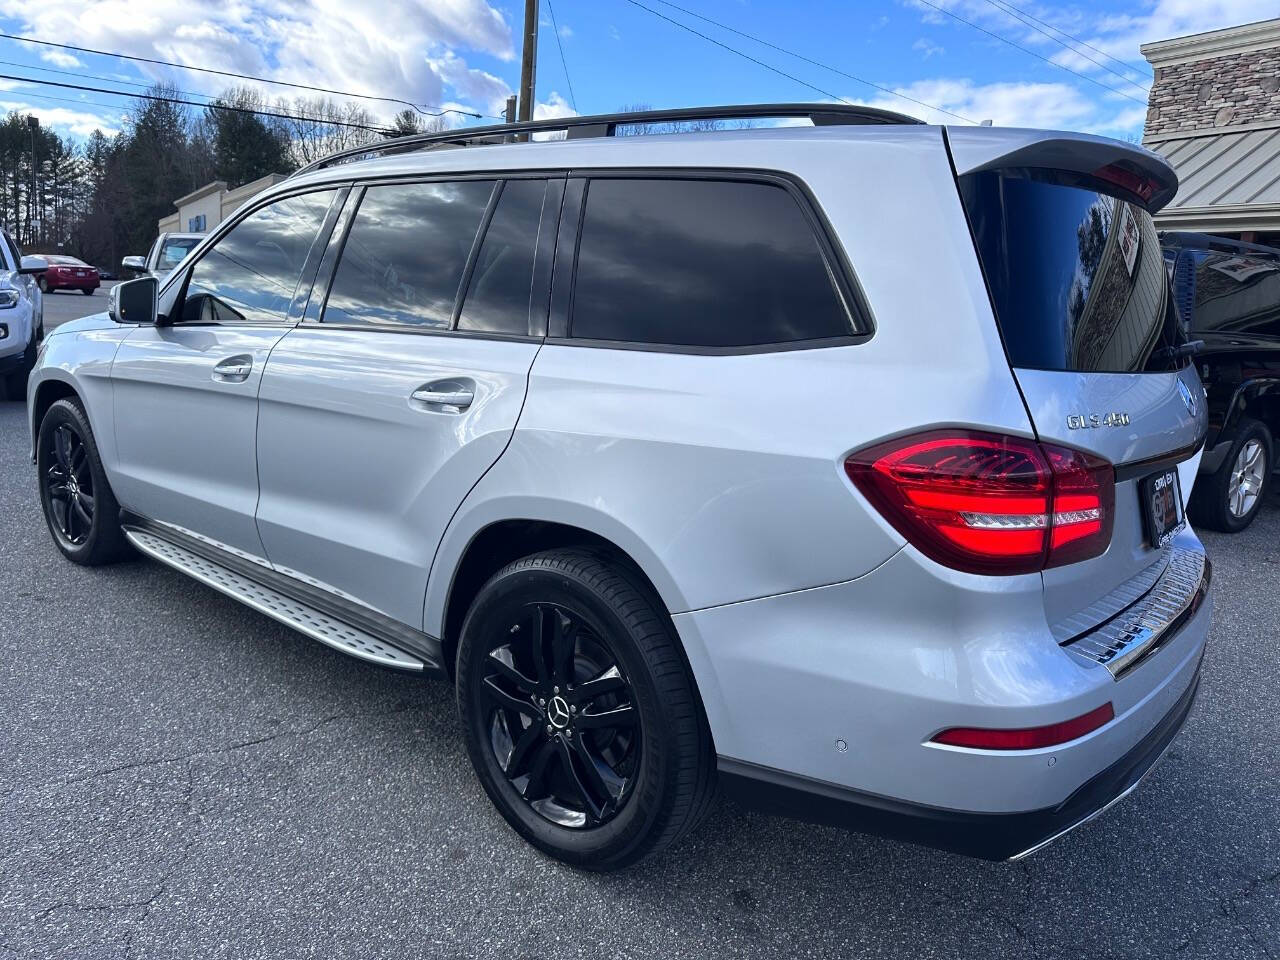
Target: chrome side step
(292, 613)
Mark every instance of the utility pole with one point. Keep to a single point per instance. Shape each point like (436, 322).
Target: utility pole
(510, 115)
(529, 59)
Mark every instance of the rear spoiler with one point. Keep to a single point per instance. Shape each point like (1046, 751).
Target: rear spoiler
(1141, 174)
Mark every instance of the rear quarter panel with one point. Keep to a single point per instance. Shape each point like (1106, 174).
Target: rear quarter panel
(722, 476)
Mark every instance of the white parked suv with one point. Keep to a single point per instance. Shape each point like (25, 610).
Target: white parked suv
(842, 466)
(21, 317)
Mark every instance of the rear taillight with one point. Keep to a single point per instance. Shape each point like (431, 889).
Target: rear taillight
(990, 504)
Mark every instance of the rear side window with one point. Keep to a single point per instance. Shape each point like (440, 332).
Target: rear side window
(497, 299)
(1077, 277)
(701, 263)
(403, 259)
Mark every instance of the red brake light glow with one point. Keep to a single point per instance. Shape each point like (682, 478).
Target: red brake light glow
(1028, 738)
(991, 504)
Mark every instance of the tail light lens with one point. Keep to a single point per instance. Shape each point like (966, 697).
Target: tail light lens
(991, 504)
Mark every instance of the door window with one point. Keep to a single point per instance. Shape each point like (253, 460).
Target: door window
(405, 254)
(497, 299)
(701, 263)
(251, 273)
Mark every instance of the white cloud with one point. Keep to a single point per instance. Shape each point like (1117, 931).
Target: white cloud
(554, 107)
(1013, 104)
(566, 32)
(392, 48)
(65, 121)
(60, 58)
(927, 48)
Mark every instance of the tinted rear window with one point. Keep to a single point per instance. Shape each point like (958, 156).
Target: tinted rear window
(1077, 277)
(701, 263)
(497, 299)
(404, 256)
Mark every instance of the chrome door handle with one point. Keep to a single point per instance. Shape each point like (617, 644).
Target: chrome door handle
(233, 369)
(451, 397)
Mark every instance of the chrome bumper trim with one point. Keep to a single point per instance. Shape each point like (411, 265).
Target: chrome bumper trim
(1139, 630)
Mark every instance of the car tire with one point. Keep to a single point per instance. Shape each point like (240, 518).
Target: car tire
(1230, 499)
(86, 291)
(79, 507)
(597, 751)
(15, 383)
(43, 284)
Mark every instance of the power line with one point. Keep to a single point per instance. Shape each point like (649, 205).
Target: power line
(770, 67)
(564, 63)
(1017, 15)
(1038, 56)
(241, 76)
(1074, 39)
(192, 103)
(93, 76)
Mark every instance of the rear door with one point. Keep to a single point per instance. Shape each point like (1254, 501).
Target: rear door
(385, 406)
(1082, 298)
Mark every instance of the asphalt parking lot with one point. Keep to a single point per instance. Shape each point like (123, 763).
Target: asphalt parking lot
(182, 777)
(63, 305)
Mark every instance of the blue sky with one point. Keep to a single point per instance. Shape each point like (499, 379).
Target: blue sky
(466, 53)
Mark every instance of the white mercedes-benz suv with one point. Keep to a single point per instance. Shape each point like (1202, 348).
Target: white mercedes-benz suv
(839, 466)
(21, 316)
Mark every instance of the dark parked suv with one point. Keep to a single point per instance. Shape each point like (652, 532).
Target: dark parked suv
(1228, 295)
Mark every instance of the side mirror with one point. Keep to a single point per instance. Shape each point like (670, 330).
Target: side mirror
(33, 265)
(134, 301)
(138, 264)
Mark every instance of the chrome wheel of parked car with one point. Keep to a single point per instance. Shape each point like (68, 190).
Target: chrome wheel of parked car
(1247, 477)
(560, 716)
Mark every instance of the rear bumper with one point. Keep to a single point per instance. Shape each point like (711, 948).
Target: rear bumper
(990, 836)
(73, 283)
(823, 704)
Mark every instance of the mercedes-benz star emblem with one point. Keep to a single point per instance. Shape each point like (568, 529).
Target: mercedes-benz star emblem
(558, 712)
(1188, 398)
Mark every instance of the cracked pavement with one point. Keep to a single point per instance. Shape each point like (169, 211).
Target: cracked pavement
(182, 777)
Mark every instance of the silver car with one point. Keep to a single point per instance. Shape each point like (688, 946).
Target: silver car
(842, 465)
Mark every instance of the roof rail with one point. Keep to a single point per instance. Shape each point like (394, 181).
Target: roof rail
(606, 125)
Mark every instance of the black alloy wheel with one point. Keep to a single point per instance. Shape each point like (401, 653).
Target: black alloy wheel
(69, 483)
(79, 507)
(560, 716)
(579, 711)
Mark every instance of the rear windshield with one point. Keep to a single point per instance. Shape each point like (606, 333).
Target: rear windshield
(1077, 277)
(173, 251)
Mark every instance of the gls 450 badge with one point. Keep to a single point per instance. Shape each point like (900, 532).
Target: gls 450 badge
(1087, 421)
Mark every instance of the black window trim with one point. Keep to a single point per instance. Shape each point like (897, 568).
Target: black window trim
(552, 210)
(844, 279)
(306, 277)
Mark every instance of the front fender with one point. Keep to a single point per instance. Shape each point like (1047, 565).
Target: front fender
(78, 362)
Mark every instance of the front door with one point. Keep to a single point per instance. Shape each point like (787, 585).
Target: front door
(377, 419)
(186, 390)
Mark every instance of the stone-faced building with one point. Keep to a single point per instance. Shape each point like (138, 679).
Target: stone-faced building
(1214, 113)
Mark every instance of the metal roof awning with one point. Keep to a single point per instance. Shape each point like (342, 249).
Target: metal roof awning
(1229, 178)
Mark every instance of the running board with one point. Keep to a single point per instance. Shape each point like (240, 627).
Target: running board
(304, 618)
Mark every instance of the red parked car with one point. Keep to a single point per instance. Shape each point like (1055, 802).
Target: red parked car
(68, 273)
